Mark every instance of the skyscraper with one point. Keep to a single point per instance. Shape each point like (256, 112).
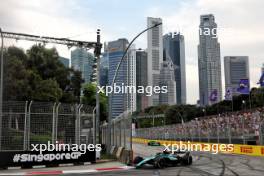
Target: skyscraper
(83, 61)
(125, 76)
(174, 49)
(131, 69)
(155, 56)
(167, 79)
(65, 61)
(209, 62)
(104, 69)
(236, 68)
(141, 78)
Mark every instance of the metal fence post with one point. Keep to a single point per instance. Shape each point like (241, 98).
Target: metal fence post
(120, 133)
(114, 134)
(56, 121)
(229, 131)
(130, 123)
(261, 133)
(28, 127)
(243, 129)
(53, 123)
(94, 128)
(217, 124)
(25, 127)
(199, 130)
(208, 135)
(78, 122)
(124, 129)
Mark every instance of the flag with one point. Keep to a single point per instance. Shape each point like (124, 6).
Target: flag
(213, 96)
(261, 80)
(243, 86)
(229, 94)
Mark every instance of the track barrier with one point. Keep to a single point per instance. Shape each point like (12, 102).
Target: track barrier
(251, 150)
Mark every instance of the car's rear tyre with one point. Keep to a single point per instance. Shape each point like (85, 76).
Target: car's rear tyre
(159, 163)
(137, 160)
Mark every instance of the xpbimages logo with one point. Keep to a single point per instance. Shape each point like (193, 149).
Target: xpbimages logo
(65, 147)
(123, 89)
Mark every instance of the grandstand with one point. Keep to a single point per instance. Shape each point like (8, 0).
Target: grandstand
(241, 127)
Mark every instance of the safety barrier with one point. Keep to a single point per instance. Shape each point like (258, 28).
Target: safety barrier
(123, 155)
(251, 150)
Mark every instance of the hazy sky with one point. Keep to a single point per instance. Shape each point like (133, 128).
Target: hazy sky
(240, 23)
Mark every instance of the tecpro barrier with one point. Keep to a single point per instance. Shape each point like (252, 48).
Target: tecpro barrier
(252, 150)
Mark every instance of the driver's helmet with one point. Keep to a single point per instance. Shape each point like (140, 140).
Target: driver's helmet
(166, 151)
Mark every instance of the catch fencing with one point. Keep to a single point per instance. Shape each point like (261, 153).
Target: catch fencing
(120, 130)
(236, 128)
(26, 123)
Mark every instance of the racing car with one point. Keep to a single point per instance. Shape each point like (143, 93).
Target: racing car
(153, 143)
(165, 159)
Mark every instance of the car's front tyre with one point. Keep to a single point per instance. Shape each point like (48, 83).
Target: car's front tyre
(137, 160)
(159, 163)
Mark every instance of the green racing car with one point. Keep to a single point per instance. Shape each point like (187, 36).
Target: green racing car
(164, 159)
(153, 143)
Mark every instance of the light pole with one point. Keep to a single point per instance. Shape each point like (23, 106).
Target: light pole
(97, 53)
(1, 86)
(112, 85)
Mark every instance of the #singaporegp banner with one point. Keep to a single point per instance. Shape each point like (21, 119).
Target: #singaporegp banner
(33, 158)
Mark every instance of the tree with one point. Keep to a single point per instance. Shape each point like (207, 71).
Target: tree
(89, 98)
(47, 90)
(16, 84)
(39, 75)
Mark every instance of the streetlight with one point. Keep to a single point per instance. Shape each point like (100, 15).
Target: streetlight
(113, 81)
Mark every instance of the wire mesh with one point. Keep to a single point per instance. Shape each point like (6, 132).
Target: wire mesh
(26, 123)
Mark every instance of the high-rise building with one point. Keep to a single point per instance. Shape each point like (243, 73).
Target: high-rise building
(236, 68)
(65, 61)
(83, 61)
(131, 66)
(209, 62)
(167, 79)
(155, 56)
(174, 50)
(141, 78)
(104, 69)
(125, 76)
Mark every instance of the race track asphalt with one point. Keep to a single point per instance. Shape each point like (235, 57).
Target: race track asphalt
(204, 164)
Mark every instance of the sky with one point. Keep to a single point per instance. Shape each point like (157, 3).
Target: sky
(240, 26)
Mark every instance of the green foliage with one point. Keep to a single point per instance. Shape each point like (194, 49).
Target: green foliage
(89, 97)
(47, 90)
(39, 75)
